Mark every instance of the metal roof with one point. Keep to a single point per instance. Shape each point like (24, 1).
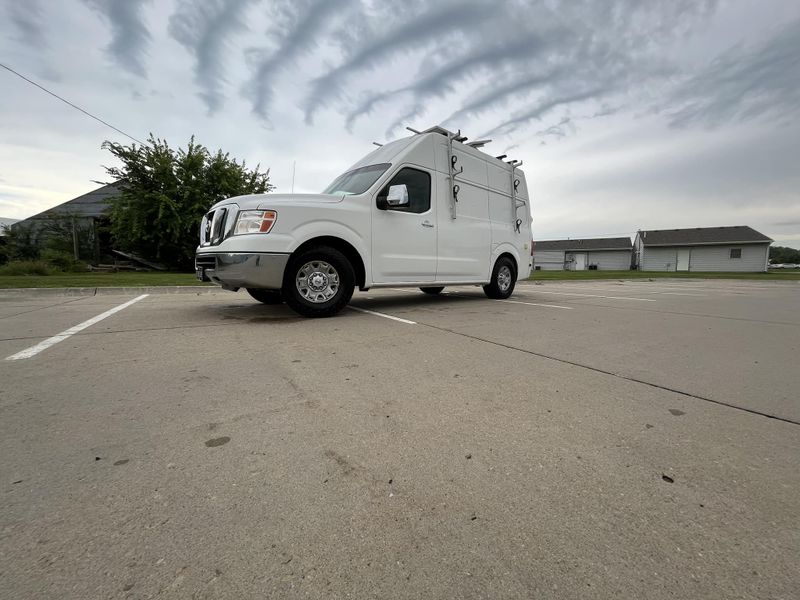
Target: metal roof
(740, 234)
(92, 204)
(578, 245)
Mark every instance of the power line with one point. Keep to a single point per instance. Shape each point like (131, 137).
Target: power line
(76, 107)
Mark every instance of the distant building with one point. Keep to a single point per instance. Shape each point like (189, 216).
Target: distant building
(704, 249)
(603, 254)
(89, 206)
(4, 223)
(80, 219)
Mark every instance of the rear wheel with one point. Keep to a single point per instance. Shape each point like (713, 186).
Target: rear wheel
(504, 278)
(266, 296)
(432, 290)
(318, 282)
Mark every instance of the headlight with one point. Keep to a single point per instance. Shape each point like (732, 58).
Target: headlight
(254, 221)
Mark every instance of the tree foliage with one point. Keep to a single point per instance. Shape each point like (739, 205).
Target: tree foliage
(782, 254)
(166, 192)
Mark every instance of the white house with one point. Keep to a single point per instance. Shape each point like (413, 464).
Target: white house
(702, 249)
(603, 254)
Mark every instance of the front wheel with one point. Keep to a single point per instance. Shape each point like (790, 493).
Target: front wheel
(504, 278)
(266, 296)
(318, 282)
(432, 290)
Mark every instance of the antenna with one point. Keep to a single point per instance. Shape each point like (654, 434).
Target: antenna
(412, 130)
(377, 144)
(294, 165)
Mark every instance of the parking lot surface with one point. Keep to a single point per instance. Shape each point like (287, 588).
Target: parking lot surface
(598, 439)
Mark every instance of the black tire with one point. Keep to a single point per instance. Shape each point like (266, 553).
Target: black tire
(301, 298)
(504, 278)
(266, 296)
(432, 290)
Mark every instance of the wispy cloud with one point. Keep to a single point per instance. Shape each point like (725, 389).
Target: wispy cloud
(491, 96)
(542, 107)
(294, 39)
(129, 35)
(205, 28)
(440, 80)
(743, 84)
(27, 20)
(433, 26)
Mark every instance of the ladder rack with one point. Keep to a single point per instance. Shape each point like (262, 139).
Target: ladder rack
(452, 159)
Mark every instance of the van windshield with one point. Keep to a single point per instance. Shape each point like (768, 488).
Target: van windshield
(356, 181)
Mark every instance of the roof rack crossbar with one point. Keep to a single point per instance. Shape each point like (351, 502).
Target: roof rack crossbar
(478, 143)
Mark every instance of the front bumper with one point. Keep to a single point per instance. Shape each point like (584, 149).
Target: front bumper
(234, 270)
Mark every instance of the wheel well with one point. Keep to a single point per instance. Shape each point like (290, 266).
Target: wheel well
(513, 260)
(342, 246)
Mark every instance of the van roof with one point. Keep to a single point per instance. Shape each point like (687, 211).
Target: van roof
(387, 152)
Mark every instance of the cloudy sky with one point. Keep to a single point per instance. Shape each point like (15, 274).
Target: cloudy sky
(628, 114)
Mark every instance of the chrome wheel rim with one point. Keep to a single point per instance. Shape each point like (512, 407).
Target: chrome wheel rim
(317, 281)
(504, 278)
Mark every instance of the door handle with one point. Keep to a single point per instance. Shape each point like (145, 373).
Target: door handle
(427, 224)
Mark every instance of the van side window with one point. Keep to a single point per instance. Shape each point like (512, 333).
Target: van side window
(418, 184)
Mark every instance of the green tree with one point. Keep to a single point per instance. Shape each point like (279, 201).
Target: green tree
(782, 254)
(166, 192)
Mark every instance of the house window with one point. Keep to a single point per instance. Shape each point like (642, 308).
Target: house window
(736, 253)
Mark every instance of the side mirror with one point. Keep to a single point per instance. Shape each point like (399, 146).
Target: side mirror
(398, 195)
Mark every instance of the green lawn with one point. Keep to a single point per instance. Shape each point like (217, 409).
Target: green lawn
(779, 275)
(134, 279)
(145, 279)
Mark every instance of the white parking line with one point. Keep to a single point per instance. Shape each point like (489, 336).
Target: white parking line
(377, 314)
(595, 296)
(34, 350)
(677, 294)
(640, 291)
(535, 304)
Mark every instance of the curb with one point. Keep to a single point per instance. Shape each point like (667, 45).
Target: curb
(108, 291)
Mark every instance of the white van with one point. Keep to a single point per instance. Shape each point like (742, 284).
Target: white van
(425, 211)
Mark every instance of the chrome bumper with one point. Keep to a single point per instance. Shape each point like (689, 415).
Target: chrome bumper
(234, 270)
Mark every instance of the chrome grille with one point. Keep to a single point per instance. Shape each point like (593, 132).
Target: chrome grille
(212, 227)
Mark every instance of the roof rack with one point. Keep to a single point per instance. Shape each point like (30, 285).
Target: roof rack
(455, 136)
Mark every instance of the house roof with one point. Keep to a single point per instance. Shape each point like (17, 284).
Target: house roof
(5, 223)
(91, 204)
(740, 234)
(623, 243)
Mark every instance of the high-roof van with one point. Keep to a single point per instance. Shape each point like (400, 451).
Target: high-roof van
(427, 211)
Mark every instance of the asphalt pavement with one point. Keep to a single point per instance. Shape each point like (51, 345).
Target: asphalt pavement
(600, 439)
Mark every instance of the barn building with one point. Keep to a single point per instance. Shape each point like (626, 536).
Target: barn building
(603, 254)
(704, 249)
(82, 218)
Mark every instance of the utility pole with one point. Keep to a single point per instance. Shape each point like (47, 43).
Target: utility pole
(75, 240)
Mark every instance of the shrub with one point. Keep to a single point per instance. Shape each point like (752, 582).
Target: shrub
(26, 267)
(63, 261)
